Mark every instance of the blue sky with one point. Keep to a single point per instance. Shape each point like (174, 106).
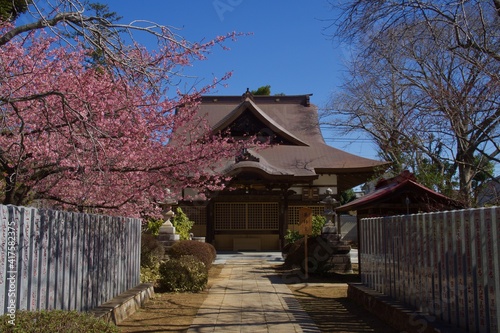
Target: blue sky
(289, 48)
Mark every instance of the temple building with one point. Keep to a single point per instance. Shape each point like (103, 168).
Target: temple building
(269, 186)
(399, 195)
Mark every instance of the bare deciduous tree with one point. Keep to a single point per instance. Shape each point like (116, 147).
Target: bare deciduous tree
(425, 85)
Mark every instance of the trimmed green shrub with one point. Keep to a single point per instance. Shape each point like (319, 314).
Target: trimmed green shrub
(150, 274)
(152, 250)
(182, 224)
(55, 321)
(205, 252)
(185, 273)
(212, 251)
(292, 236)
(152, 226)
(318, 221)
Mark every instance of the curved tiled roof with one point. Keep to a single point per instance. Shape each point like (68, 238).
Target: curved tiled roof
(294, 118)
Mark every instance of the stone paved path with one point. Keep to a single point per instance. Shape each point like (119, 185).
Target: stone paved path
(249, 297)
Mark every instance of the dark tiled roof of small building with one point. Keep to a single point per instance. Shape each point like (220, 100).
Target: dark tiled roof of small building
(396, 190)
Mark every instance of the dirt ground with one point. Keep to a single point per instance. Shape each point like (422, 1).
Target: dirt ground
(169, 312)
(323, 298)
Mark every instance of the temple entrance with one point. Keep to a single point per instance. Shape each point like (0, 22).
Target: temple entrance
(246, 226)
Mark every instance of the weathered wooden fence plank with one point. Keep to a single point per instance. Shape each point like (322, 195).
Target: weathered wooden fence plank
(4, 224)
(62, 260)
(444, 264)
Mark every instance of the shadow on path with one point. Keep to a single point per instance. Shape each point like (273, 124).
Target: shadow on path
(333, 312)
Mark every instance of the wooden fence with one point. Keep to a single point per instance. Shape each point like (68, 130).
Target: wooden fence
(60, 260)
(445, 265)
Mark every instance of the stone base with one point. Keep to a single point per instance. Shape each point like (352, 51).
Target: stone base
(340, 259)
(168, 237)
(395, 313)
(124, 305)
(168, 240)
(340, 263)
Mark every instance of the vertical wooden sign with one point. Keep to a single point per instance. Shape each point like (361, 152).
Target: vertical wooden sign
(305, 228)
(305, 221)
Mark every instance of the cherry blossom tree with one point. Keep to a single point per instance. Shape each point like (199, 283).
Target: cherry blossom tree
(114, 135)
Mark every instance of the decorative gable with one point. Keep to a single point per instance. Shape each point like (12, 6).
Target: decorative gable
(246, 156)
(247, 124)
(248, 119)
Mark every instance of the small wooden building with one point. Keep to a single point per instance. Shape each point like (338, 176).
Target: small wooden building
(271, 185)
(399, 195)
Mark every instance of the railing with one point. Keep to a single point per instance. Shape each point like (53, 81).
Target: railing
(446, 265)
(60, 260)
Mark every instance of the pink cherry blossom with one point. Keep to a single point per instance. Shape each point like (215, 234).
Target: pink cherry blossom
(99, 138)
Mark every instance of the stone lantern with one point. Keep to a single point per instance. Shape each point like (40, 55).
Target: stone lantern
(339, 250)
(166, 234)
(331, 227)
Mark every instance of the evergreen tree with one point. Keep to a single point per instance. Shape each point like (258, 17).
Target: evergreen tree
(262, 91)
(11, 9)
